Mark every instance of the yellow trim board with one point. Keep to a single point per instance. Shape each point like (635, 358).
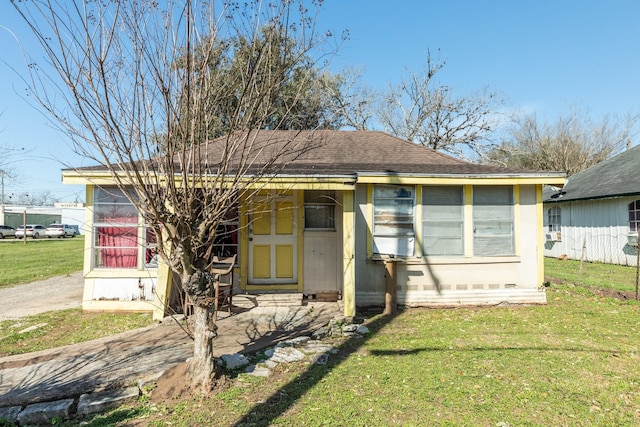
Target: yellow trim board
(299, 202)
(462, 180)
(326, 182)
(267, 182)
(348, 253)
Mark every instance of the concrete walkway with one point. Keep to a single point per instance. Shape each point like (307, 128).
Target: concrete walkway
(55, 293)
(143, 355)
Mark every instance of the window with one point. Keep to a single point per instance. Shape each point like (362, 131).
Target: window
(553, 219)
(226, 239)
(319, 210)
(115, 229)
(634, 216)
(393, 231)
(151, 256)
(493, 228)
(442, 221)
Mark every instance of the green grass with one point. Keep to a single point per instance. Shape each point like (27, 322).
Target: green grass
(58, 328)
(39, 259)
(575, 361)
(42, 259)
(596, 275)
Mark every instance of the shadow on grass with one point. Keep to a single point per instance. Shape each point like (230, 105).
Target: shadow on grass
(279, 402)
(115, 417)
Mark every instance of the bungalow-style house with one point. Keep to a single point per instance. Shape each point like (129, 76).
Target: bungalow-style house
(595, 216)
(458, 233)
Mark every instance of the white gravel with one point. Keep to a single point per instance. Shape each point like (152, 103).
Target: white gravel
(57, 293)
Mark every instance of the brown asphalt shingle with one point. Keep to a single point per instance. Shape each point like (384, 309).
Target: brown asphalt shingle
(327, 152)
(333, 152)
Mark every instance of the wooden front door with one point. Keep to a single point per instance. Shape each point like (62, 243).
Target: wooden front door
(273, 242)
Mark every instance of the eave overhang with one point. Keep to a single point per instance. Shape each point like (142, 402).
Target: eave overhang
(342, 181)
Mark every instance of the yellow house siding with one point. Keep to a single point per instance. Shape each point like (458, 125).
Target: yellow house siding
(163, 289)
(243, 243)
(348, 251)
(299, 198)
(88, 238)
(525, 188)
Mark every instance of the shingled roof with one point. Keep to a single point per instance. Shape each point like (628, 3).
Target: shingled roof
(615, 177)
(351, 152)
(337, 152)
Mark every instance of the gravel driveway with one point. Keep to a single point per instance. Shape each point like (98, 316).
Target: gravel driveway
(57, 293)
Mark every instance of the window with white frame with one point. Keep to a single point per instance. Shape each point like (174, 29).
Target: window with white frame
(116, 230)
(393, 213)
(442, 220)
(634, 216)
(493, 223)
(319, 210)
(553, 219)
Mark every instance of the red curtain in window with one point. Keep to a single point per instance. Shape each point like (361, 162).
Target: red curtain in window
(119, 246)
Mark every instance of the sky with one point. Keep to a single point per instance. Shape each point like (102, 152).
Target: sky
(542, 56)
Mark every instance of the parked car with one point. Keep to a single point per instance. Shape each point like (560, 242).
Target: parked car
(60, 230)
(32, 230)
(6, 230)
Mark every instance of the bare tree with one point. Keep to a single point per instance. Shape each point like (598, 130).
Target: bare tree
(135, 87)
(352, 101)
(570, 144)
(420, 110)
(43, 198)
(9, 155)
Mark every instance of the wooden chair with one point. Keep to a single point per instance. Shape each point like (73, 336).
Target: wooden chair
(222, 271)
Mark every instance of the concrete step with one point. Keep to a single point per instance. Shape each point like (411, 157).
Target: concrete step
(267, 300)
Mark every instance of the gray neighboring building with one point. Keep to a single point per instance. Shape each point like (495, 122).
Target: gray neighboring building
(73, 214)
(596, 215)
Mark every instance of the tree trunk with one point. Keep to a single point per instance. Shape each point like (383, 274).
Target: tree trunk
(202, 367)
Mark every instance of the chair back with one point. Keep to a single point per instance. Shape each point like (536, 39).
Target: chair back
(222, 266)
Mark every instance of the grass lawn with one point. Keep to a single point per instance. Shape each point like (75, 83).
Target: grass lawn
(39, 259)
(598, 275)
(575, 361)
(58, 328)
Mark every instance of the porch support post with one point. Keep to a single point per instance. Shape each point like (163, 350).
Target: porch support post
(348, 252)
(163, 290)
(540, 235)
(390, 298)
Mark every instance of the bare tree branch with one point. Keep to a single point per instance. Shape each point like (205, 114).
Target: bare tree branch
(138, 87)
(420, 110)
(570, 144)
